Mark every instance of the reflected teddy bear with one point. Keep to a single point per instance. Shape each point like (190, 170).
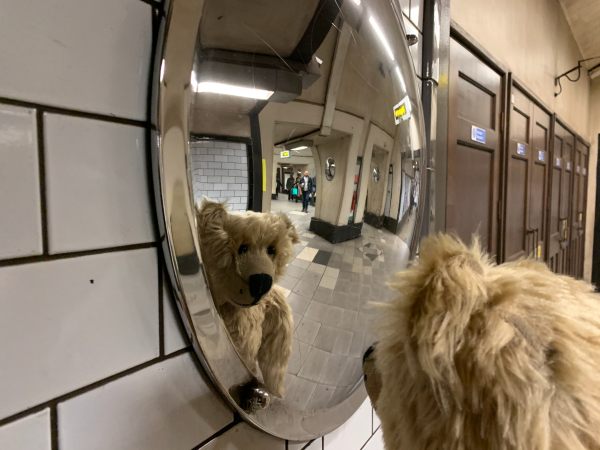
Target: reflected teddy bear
(244, 255)
(477, 356)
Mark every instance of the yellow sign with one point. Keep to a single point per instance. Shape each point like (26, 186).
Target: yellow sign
(264, 175)
(284, 154)
(402, 111)
(539, 251)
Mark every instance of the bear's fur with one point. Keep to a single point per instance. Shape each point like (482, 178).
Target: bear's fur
(236, 247)
(475, 356)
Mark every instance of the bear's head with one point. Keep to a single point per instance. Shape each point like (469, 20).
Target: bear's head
(243, 254)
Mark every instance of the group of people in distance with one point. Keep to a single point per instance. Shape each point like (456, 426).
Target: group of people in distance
(303, 187)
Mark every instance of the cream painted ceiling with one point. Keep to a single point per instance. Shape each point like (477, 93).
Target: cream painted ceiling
(584, 19)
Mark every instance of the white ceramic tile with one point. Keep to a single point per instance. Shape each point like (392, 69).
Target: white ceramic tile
(165, 406)
(415, 50)
(70, 322)
(405, 6)
(416, 13)
(80, 54)
(244, 437)
(20, 223)
(29, 433)
(317, 444)
(354, 433)
(175, 338)
(97, 184)
(376, 442)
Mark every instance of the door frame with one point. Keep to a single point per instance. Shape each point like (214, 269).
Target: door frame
(596, 235)
(461, 36)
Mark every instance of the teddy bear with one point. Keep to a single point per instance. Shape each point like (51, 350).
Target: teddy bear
(244, 255)
(477, 356)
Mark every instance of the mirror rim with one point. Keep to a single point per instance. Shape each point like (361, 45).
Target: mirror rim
(169, 142)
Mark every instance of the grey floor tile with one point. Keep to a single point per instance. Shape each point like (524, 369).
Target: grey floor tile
(314, 365)
(307, 330)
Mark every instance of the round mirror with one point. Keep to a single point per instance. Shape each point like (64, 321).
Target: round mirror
(274, 267)
(330, 169)
(376, 175)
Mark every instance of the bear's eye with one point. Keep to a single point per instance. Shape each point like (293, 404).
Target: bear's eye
(243, 249)
(271, 250)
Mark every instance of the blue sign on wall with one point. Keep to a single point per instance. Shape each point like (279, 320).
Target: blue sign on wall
(541, 155)
(521, 149)
(478, 134)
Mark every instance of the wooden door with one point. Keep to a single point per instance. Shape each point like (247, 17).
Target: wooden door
(560, 199)
(474, 142)
(526, 178)
(577, 237)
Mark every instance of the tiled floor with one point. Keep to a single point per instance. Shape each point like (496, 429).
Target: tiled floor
(329, 288)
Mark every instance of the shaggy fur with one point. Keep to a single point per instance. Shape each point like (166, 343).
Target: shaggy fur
(261, 333)
(474, 356)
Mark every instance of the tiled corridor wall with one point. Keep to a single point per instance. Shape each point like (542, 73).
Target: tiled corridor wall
(220, 172)
(93, 356)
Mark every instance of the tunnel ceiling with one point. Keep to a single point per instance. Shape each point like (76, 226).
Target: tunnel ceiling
(266, 26)
(583, 17)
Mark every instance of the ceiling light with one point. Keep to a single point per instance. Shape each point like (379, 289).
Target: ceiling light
(230, 89)
(318, 60)
(302, 144)
(381, 36)
(356, 2)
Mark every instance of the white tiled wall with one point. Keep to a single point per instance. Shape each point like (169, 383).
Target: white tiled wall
(220, 172)
(93, 353)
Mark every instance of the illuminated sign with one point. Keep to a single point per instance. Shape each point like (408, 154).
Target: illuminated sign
(284, 153)
(402, 111)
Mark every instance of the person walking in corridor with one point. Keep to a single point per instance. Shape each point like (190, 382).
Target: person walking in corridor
(306, 186)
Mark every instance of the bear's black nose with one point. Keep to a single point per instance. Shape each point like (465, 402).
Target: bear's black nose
(259, 284)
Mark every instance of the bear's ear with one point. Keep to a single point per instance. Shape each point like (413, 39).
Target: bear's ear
(291, 229)
(214, 240)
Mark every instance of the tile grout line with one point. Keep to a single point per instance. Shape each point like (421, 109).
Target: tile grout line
(76, 254)
(39, 118)
(161, 309)
(44, 108)
(236, 420)
(54, 442)
(90, 387)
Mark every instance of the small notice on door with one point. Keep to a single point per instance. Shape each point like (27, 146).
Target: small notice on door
(568, 165)
(557, 162)
(541, 155)
(478, 134)
(402, 110)
(539, 251)
(521, 149)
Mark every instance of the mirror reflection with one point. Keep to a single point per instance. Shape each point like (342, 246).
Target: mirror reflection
(299, 113)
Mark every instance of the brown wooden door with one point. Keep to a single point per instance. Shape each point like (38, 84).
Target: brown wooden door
(474, 142)
(577, 236)
(526, 179)
(560, 199)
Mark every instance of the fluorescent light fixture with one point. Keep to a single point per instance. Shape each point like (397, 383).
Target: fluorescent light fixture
(318, 60)
(302, 144)
(162, 70)
(379, 32)
(230, 89)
